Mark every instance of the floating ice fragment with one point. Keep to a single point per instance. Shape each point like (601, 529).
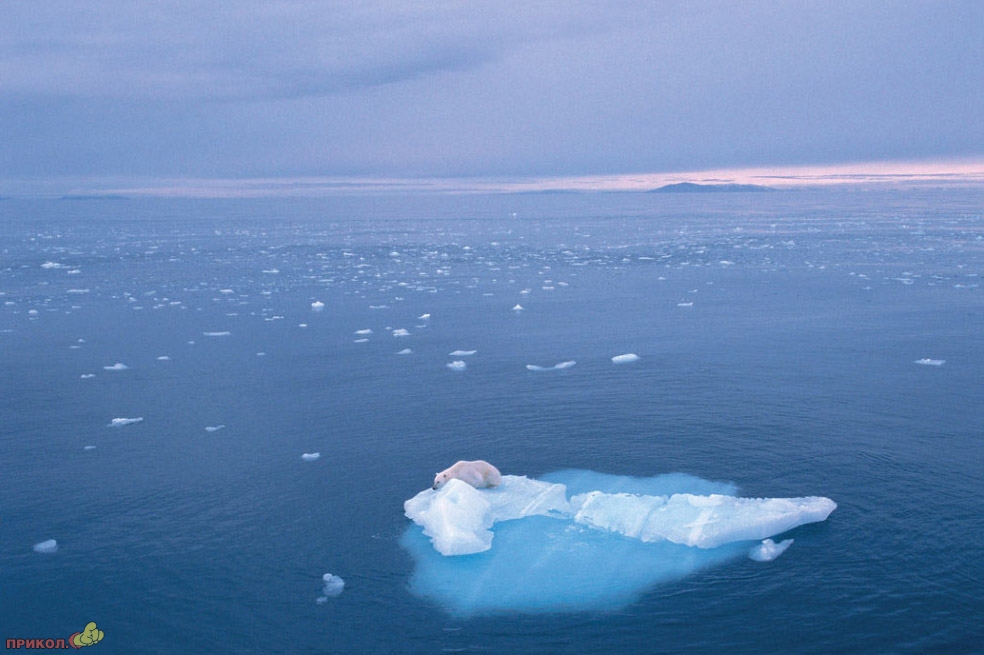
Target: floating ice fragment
(120, 422)
(556, 367)
(310, 457)
(89, 448)
(424, 317)
(457, 365)
(931, 362)
(86, 376)
(271, 271)
(49, 546)
(405, 351)
(116, 367)
(517, 307)
(362, 340)
(216, 334)
(213, 428)
(317, 306)
(363, 332)
(333, 585)
(768, 550)
(462, 353)
(625, 359)
(401, 332)
(685, 304)
(164, 358)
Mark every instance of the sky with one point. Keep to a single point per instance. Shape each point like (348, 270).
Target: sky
(200, 94)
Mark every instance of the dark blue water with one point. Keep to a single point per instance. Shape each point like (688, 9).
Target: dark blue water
(778, 336)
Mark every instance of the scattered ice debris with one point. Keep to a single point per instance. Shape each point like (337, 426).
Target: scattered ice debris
(333, 586)
(216, 334)
(120, 422)
(89, 448)
(405, 351)
(317, 306)
(49, 546)
(462, 353)
(768, 550)
(362, 340)
(363, 332)
(424, 317)
(116, 367)
(517, 307)
(52, 265)
(164, 358)
(685, 304)
(87, 376)
(310, 457)
(302, 325)
(625, 359)
(457, 365)
(271, 271)
(401, 332)
(556, 367)
(931, 362)
(213, 428)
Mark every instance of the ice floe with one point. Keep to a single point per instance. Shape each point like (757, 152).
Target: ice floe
(930, 362)
(405, 351)
(457, 365)
(517, 307)
(87, 376)
(401, 332)
(462, 353)
(556, 367)
(580, 540)
(213, 428)
(625, 359)
(310, 457)
(49, 546)
(217, 334)
(317, 306)
(363, 332)
(120, 422)
(118, 366)
(768, 550)
(333, 585)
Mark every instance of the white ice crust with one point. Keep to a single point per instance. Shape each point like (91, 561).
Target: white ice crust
(458, 518)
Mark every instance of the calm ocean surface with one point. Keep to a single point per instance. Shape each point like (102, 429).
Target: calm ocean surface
(791, 344)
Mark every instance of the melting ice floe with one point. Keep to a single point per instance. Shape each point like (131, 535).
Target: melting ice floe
(310, 457)
(931, 362)
(462, 353)
(579, 540)
(49, 546)
(120, 422)
(118, 366)
(556, 367)
(625, 359)
(457, 365)
(333, 586)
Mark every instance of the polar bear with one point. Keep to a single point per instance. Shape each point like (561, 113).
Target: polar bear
(479, 474)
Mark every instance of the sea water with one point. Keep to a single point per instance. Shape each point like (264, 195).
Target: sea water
(211, 412)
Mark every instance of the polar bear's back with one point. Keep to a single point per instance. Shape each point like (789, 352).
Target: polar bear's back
(478, 473)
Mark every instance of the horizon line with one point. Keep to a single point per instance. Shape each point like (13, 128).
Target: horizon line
(956, 172)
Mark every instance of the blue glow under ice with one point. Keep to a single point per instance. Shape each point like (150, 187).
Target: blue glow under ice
(477, 553)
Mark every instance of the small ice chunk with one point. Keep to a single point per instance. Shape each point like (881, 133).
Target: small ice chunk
(362, 340)
(49, 546)
(462, 353)
(317, 306)
(931, 362)
(424, 317)
(457, 365)
(213, 428)
(556, 367)
(401, 332)
(768, 550)
(333, 585)
(310, 457)
(116, 367)
(217, 334)
(120, 422)
(405, 351)
(163, 358)
(87, 376)
(89, 448)
(625, 359)
(517, 307)
(363, 332)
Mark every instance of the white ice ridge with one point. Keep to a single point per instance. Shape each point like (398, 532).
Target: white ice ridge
(625, 359)
(458, 518)
(556, 367)
(120, 422)
(701, 521)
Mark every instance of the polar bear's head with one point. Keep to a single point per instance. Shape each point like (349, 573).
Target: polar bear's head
(441, 479)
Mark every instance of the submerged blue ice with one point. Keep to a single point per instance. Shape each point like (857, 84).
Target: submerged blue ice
(579, 540)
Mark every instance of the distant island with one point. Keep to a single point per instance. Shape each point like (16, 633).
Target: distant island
(690, 187)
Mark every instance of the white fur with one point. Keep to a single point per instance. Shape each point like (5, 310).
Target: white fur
(479, 474)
